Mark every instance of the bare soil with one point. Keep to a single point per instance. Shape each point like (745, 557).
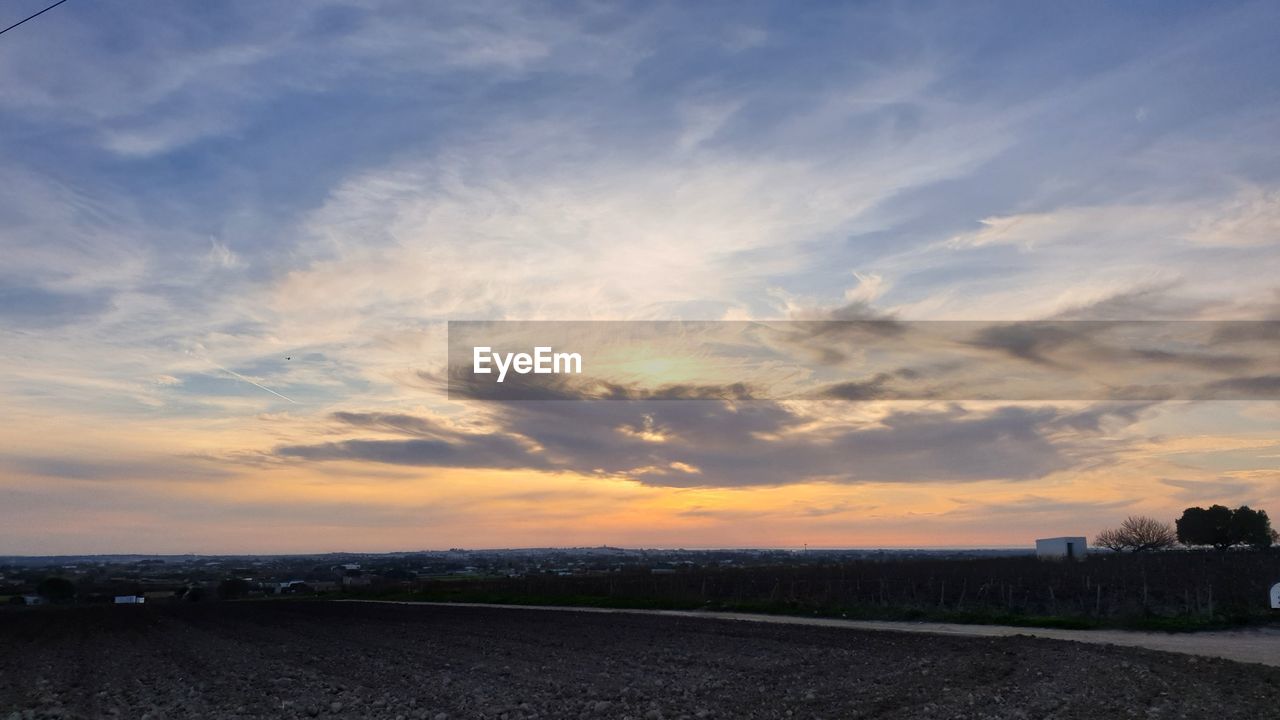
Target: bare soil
(353, 660)
(1255, 644)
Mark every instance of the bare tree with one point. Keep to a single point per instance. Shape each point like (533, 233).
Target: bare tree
(1138, 533)
(1148, 533)
(1111, 538)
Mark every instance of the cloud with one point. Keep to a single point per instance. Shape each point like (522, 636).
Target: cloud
(394, 422)
(1033, 506)
(725, 515)
(1209, 492)
(1251, 218)
(468, 453)
(1031, 342)
(1160, 261)
(182, 82)
(431, 444)
(331, 182)
(872, 389)
(223, 257)
(1100, 348)
(175, 469)
(1259, 387)
(1153, 302)
(722, 444)
(869, 288)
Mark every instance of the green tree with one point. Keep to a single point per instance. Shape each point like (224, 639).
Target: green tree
(1251, 527)
(1200, 526)
(56, 589)
(1223, 527)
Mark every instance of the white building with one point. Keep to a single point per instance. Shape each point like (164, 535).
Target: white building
(1061, 548)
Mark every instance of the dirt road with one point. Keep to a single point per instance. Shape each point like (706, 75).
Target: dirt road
(1255, 645)
(288, 659)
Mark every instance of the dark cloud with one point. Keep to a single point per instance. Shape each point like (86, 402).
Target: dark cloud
(428, 444)
(840, 335)
(866, 390)
(1260, 387)
(481, 451)
(1033, 342)
(731, 391)
(879, 387)
(1091, 350)
(1204, 361)
(391, 422)
(1144, 392)
(727, 444)
(1093, 418)
(1153, 302)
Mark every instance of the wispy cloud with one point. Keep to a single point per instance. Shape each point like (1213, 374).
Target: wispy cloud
(329, 182)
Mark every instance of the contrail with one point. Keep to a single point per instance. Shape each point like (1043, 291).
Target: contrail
(258, 385)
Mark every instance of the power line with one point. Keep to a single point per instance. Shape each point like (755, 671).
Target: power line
(32, 17)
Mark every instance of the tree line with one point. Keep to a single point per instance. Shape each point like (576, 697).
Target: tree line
(1217, 526)
(1168, 590)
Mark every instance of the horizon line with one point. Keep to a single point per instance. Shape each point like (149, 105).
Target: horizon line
(744, 548)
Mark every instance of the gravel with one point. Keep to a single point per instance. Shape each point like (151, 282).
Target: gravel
(287, 659)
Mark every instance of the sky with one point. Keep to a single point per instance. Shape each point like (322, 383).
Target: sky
(232, 234)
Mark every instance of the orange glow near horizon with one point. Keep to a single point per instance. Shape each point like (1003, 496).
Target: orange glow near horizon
(280, 506)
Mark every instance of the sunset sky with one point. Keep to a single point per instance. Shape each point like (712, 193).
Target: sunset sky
(231, 236)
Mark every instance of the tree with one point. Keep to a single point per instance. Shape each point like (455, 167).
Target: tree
(56, 589)
(1252, 527)
(1139, 534)
(1200, 526)
(234, 588)
(1111, 538)
(1224, 528)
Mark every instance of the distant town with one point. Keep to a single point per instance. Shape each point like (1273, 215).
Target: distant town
(33, 580)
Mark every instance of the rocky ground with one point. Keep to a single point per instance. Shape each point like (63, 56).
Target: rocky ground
(349, 660)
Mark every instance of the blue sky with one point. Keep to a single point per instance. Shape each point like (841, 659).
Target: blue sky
(194, 189)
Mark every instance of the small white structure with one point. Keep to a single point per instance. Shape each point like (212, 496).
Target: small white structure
(130, 599)
(288, 586)
(1275, 596)
(1061, 548)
